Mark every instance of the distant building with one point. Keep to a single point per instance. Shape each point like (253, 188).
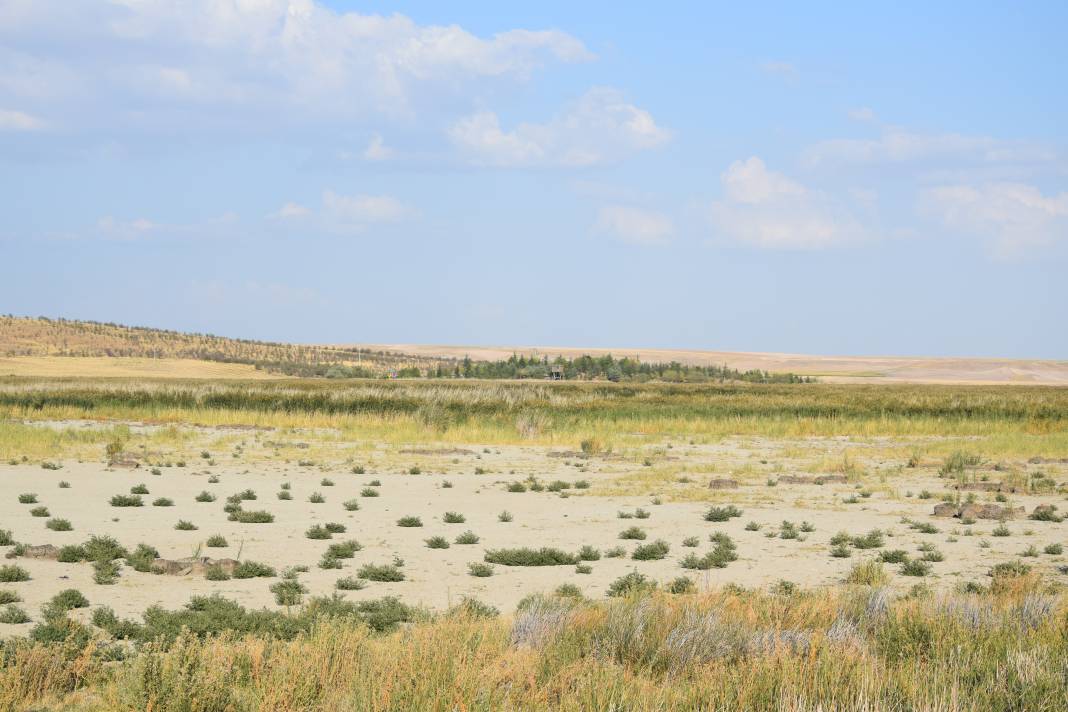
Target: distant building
(556, 373)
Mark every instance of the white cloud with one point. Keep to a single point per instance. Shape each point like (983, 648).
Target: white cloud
(377, 150)
(111, 228)
(1014, 216)
(362, 209)
(18, 121)
(635, 226)
(763, 208)
(289, 211)
(285, 58)
(600, 127)
(897, 145)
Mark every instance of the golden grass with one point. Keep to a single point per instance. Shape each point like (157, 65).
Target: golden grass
(127, 367)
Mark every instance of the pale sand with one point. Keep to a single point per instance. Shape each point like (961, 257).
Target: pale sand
(830, 369)
(438, 578)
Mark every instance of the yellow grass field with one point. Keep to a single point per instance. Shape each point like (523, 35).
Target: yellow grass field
(122, 367)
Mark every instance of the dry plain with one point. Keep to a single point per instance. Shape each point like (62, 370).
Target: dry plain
(569, 499)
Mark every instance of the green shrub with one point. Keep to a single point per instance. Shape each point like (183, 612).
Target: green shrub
(8, 596)
(369, 492)
(205, 496)
(629, 584)
(184, 526)
(409, 522)
(288, 592)
(59, 525)
(691, 541)
(139, 489)
(216, 541)
(103, 548)
(39, 512)
(633, 533)
(142, 558)
(387, 573)
(1054, 549)
(28, 498)
(479, 569)
(437, 542)
(253, 569)
(893, 556)
(1001, 530)
(6, 538)
(504, 516)
(914, 567)
(326, 482)
(453, 518)
(216, 572)
(545, 556)
(318, 532)
(350, 583)
(722, 514)
(127, 500)
(588, 553)
(63, 484)
(352, 505)
(344, 549)
(468, 537)
(682, 585)
(872, 540)
(13, 615)
(254, 517)
(285, 495)
(648, 552)
(105, 573)
(316, 498)
(868, 573)
(163, 502)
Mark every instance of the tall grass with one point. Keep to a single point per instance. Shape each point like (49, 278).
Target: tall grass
(848, 649)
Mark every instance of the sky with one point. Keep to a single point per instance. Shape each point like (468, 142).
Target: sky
(826, 178)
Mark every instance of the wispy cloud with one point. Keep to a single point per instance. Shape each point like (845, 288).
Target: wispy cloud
(1013, 217)
(11, 120)
(634, 226)
(763, 208)
(600, 127)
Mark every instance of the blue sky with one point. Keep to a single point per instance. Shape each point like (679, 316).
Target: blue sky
(813, 177)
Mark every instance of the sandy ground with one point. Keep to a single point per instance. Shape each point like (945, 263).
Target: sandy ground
(437, 578)
(830, 369)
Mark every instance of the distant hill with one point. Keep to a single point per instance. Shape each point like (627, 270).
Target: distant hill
(25, 340)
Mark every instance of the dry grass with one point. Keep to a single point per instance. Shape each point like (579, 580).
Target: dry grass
(127, 367)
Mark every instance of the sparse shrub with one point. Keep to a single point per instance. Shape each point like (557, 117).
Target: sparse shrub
(437, 542)
(316, 498)
(288, 592)
(752, 527)
(185, 526)
(1001, 530)
(583, 569)
(640, 513)
(253, 569)
(8, 596)
(409, 521)
(344, 549)
(1030, 551)
(318, 532)
(163, 502)
(789, 530)
(545, 556)
(516, 487)
(105, 573)
(691, 541)
(28, 498)
(126, 500)
(479, 569)
(358, 470)
(872, 540)
(722, 514)
(915, 567)
(205, 496)
(629, 584)
(893, 556)
(633, 533)
(59, 525)
(39, 512)
(1054, 549)
(63, 484)
(6, 538)
(648, 552)
(216, 572)
(139, 489)
(468, 537)
(326, 482)
(253, 517)
(13, 615)
(216, 541)
(285, 495)
(453, 518)
(504, 516)
(615, 552)
(142, 558)
(588, 553)
(369, 492)
(386, 573)
(350, 583)
(840, 551)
